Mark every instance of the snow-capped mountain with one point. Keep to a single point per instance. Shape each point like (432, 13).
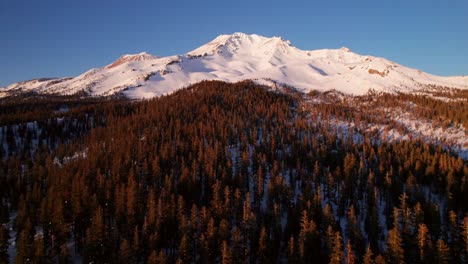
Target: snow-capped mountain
(239, 57)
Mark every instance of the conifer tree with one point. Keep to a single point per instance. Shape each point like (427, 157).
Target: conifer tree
(423, 242)
(226, 257)
(174, 175)
(125, 252)
(350, 258)
(153, 258)
(291, 250)
(262, 252)
(337, 254)
(184, 252)
(395, 252)
(380, 260)
(367, 259)
(39, 249)
(465, 234)
(23, 250)
(442, 252)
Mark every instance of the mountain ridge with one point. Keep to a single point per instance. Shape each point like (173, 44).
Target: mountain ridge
(237, 57)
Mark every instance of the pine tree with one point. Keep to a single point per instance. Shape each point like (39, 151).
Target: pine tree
(155, 258)
(350, 258)
(303, 234)
(237, 247)
(337, 250)
(291, 250)
(211, 241)
(443, 252)
(23, 247)
(136, 243)
(262, 252)
(367, 259)
(465, 234)
(380, 260)
(184, 252)
(132, 198)
(226, 257)
(223, 230)
(422, 237)
(354, 231)
(97, 226)
(39, 249)
(125, 252)
(418, 214)
(204, 249)
(395, 252)
(455, 244)
(329, 238)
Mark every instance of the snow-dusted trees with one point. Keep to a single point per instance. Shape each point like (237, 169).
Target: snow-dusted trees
(228, 173)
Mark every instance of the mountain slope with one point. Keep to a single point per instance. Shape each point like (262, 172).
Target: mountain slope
(267, 175)
(239, 57)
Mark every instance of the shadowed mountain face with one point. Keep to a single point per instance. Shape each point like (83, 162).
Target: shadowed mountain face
(239, 57)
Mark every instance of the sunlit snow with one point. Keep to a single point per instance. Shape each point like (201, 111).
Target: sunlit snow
(239, 57)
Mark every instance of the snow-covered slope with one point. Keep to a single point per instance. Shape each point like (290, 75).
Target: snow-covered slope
(32, 85)
(239, 57)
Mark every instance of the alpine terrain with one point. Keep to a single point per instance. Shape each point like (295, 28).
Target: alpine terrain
(244, 150)
(238, 57)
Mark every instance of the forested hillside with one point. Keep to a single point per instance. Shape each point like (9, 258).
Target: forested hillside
(228, 173)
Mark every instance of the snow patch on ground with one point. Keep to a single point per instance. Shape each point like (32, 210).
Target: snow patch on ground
(77, 155)
(12, 239)
(453, 138)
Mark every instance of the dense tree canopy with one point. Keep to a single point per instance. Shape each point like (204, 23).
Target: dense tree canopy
(224, 173)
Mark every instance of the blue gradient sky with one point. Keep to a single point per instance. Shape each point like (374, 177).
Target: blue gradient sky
(55, 38)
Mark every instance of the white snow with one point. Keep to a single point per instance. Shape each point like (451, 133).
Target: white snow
(12, 240)
(454, 137)
(68, 159)
(239, 57)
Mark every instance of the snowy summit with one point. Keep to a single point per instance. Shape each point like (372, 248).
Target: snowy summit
(239, 57)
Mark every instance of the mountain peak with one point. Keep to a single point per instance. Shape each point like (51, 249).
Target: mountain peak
(240, 56)
(239, 34)
(142, 56)
(240, 42)
(346, 49)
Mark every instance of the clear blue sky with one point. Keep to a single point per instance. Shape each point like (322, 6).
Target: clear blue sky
(55, 38)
